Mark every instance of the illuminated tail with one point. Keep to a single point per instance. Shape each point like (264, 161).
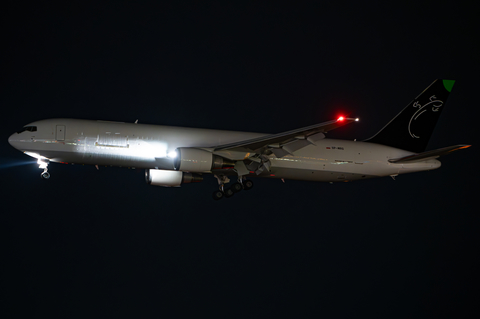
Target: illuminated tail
(411, 129)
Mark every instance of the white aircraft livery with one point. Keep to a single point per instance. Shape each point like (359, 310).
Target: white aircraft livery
(172, 156)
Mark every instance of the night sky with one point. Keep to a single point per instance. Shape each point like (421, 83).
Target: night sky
(90, 243)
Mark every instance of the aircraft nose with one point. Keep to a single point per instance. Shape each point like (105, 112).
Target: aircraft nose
(13, 140)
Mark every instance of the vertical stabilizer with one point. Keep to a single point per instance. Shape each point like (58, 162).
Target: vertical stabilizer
(411, 129)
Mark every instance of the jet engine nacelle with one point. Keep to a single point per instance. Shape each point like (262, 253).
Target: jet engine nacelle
(197, 160)
(160, 177)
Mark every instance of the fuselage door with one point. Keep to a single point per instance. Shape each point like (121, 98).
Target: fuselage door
(60, 134)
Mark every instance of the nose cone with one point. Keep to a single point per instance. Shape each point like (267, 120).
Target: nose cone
(13, 140)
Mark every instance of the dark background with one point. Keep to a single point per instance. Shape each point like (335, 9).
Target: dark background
(91, 243)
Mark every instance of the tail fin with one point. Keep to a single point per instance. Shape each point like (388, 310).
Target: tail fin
(411, 129)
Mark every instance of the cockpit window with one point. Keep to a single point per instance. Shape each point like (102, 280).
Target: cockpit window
(28, 128)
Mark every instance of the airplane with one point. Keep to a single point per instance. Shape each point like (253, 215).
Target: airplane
(172, 156)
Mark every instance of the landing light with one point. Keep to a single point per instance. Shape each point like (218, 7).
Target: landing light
(35, 155)
(172, 154)
(39, 157)
(357, 119)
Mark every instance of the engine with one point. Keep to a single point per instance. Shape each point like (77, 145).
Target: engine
(197, 160)
(159, 177)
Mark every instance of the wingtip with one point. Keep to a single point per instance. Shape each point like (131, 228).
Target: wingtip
(347, 119)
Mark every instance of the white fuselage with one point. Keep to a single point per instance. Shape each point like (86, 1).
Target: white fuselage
(148, 146)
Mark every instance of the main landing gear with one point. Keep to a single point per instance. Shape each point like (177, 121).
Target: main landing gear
(227, 192)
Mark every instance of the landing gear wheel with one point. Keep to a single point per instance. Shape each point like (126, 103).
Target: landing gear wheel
(217, 195)
(236, 187)
(247, 184)
(228, 192)
(45, 175)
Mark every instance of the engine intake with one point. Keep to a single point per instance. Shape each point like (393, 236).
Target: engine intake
(197, 160)
(160, 177)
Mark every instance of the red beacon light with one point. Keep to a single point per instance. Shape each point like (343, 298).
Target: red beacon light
(340, 119)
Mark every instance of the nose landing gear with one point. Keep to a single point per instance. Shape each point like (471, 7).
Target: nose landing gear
(45, 174)
(43, 164)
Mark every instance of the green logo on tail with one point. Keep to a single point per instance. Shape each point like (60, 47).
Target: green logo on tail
(448, 84)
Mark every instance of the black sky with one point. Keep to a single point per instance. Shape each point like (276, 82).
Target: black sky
(104, 243)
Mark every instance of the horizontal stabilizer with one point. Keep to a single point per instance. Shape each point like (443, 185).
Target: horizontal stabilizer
(428, 155)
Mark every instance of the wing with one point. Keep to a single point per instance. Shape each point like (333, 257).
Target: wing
(277, 141)
(252, 154)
